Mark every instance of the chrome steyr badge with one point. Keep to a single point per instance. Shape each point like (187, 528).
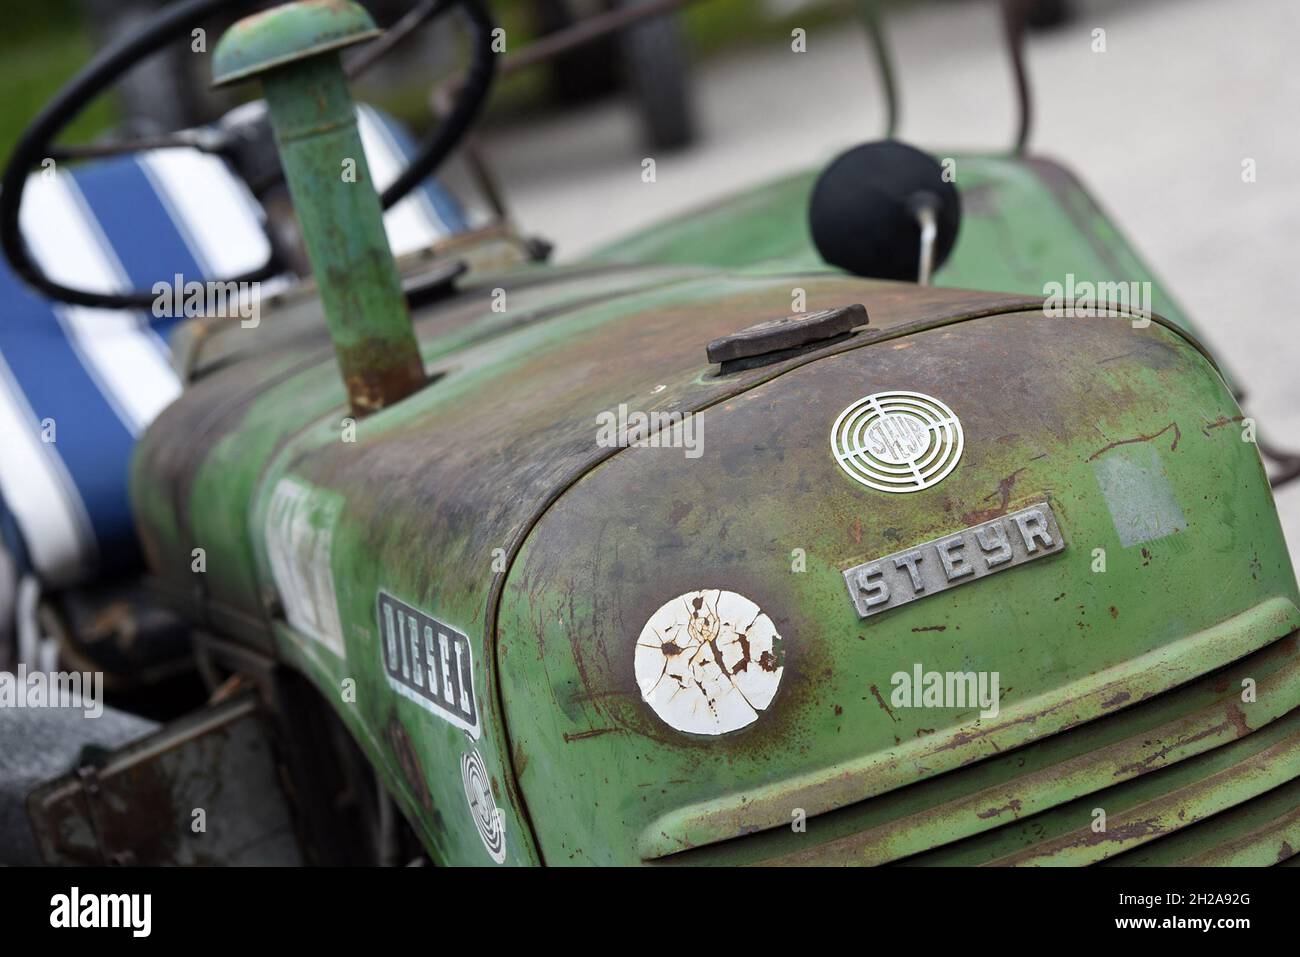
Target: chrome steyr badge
(897, 441)
(943, 563)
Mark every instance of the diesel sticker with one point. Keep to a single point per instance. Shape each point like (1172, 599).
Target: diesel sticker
(970, 554)
(428, 662)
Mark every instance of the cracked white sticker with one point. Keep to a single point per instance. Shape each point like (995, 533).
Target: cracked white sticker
(708, 662)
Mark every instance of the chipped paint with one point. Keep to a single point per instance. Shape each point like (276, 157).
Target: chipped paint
(708, 662)
(1138, 494)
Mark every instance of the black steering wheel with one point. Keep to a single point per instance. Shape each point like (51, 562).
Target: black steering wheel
(176, 21)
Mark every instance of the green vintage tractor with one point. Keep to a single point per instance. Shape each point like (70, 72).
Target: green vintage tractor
(891, 512)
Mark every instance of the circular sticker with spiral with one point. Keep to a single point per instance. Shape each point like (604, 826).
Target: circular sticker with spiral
(482, 806)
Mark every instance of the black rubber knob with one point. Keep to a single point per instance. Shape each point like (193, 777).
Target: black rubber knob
(863, 210)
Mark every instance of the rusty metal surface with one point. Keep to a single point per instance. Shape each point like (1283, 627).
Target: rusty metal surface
(439, 493)
(1091, 760)
(788, 332)
(214, 444)
(293, 50)
(212, 447)
(1272, 842)
(1207, 786)
(40, 745)
(437, 484)
(203, 790)
(1071, 645)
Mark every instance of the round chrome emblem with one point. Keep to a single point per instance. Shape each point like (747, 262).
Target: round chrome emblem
(897, 441)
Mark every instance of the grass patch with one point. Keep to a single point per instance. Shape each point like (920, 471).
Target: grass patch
(34, 72)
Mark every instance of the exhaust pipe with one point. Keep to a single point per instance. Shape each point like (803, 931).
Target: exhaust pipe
(294, 51)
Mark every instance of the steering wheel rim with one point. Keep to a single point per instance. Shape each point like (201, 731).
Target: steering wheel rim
(111, 63)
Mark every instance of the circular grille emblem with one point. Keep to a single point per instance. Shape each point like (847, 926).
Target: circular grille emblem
(482, 806)
(897, 441)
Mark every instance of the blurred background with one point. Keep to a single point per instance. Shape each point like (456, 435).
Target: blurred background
(1157, 126)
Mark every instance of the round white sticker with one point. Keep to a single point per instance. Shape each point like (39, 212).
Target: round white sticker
(482, 806)
(708, 662)
(897, 441)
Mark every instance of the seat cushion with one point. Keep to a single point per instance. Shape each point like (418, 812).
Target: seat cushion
(79, 385)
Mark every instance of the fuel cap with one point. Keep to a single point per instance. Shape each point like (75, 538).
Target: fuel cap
(788, 332)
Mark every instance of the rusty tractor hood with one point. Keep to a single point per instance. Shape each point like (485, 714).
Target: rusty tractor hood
(488, 505)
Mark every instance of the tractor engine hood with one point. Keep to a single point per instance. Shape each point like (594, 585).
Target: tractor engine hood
(508, 505)
(680, 646)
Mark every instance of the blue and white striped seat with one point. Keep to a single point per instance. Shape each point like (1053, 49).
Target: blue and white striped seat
(79, 385)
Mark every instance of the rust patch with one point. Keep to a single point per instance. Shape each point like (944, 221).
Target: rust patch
(520, 760)
(1124, 832)
(1220, 422)
(1173, 447)
(1013, 806)
(592, 733)
(876, 692)
(409, 762)
(374, 384)
(1156, 758)
(1237, 718)
(1003, 494)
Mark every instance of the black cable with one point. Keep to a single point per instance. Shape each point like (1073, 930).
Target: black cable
(470, 100)
(1014, 13)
